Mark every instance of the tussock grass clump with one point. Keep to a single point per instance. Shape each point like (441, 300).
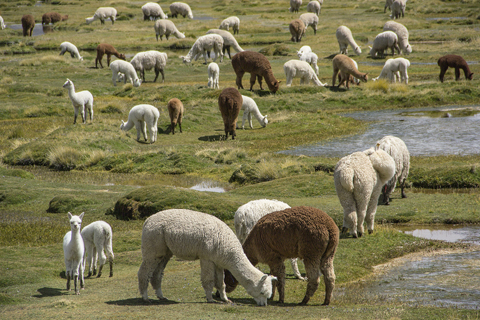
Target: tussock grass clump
(379, 85)
(7, 80)
(64, 158)
(222, 154)
(65, 203)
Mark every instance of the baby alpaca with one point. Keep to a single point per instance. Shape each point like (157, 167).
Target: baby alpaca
(74, 250)
(359, 178)
(258, 66)
(28, 23)
(213, 75)
(127, 69)
(192, 235)
(230, 102)
(249, 107)
(457, 62)
(97, 236)
(70, 47)
(233, 22)
(346, 67)
(395, 68)
(175, 111)
(109, 50)
(302, 70)
(311, 58)
(142, 116)
(82, 100)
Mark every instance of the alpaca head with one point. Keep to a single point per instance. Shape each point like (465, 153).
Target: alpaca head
(364, 78)
(181, 35)
(185, 59)
(470, 76)
(122, 125)
(275, 86)
(137, 82)
(122, 56)
(408, 49)
(263, 291)
(68, 83)
(265, 121)
(358, 50)
(75, 221)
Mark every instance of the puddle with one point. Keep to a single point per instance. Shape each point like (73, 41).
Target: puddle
(203, 18)
(447, 18)
(38, 30)
(423, 133)
(209, 186)
(465, 234)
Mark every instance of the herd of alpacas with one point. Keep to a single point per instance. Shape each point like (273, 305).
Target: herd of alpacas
(266, 231)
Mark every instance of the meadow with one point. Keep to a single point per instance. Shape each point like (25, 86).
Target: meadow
(50, 166)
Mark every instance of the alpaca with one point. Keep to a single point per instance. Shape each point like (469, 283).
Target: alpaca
(53, 17)
(192, 235)
(304, 232)
(248, 214)
(345, 38)
(74, 250)
(359, 178)
(249, 107)
(128, 71)
(142, 116)
(230, 102)
(203, 45)
(346, 66)
(28, 23)
(70, 47)
(297, 30)
(148, 60)
(397, 149)
(82, 100)
(97, 236)
(102, 14)
(258, 66)
(457, 62)
(300, 69)
(109, 50)
(228, 41)
(213, 75)
(175, 111)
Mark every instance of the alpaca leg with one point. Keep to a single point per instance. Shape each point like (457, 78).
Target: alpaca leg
(443, 70)
(83, 111)
(277, 269)
(296, 272)
(402, 187)
(250, 120)
(244, 118)
(82, 276)
(253, 77)
(102, 259)
(349, 216)
(220, 284)
(207, 276)
(138, 127)
(457, 74)
(238, 81)
(371, 210)
(99, 58)
(144, 275)
(76, 115)
(68, 279)
(334, 78)
(313, 275)
(259, 78)
(157, 275)
(326, 267)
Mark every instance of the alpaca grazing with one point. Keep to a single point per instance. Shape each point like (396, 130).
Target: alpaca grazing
(82, 100)
(299, 232)
(258, 66)
(74, 250)
(28, 23)
(346, 67)
(249, 107)
(297, 30)
(192, 235)
(109, 50)
(457, 62)
(359, 178)
(53, 17)
(175, 111)
(97, 236)
(230, 102)
(142, 116)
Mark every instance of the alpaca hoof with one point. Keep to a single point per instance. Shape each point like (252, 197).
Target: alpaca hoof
(404, 196)
(89, 275)
(370, 231)
(111, 274)
(360, 234)
(355, 235)
(99, 275)
(344, 230)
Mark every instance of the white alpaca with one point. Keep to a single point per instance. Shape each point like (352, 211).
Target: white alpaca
(213, 75)
(402, 34)
(102, 14)
(311, 58)
(153, 10)
(127, 69)
(310, 19)
(233, 22)
(249, 107)
(142, 116)
(148, 60)
(395, 69)
(2, 23)
(192, 235)
(74, 250)
(302, 70)
(303, 50)
(248, 214)
(345, 38)
(359, 178)
(204, 44)
(295, 5)
(167, 28)
(70, 47)
(314, 6)
(228, 41)
(82, 100)
(97, 236)
(383, 41)
(181, 8)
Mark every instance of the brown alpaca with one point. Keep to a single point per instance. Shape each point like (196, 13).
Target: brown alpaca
(346, 66)
(457, 62)
(28, 23)
(53, 17)
(299, 232)
(109, 50)
(230, 102)
(297, 30)
(175, 110)
(258, 66)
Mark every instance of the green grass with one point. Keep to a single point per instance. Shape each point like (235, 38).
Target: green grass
(51, 166)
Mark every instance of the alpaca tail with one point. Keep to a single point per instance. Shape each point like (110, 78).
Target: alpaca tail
(346, 179)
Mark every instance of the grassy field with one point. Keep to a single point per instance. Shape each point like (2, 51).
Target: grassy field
(50, 166)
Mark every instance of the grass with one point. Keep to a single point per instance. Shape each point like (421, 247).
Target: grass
(51, 166)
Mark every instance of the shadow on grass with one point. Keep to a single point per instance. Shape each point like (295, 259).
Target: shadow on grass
(50, 292)
(337, 89)
(140, 302)
(217, 137)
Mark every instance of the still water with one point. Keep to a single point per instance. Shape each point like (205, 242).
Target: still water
(426, 132)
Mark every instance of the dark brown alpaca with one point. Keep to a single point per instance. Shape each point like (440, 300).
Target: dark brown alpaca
(109, 50)
(230, 102)
(299, 232)
(175, 111)
(28, 23)
(457, 62)
(258, 66)
(53, 17)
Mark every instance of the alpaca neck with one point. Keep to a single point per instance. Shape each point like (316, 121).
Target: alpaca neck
(269, 79)
(246, 274)
(256, 113)
(72, 95)
(357, 74)
(128, 125)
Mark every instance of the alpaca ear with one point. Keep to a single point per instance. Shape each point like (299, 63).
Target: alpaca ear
(265, 116)
(69, 216)
(81, 215)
